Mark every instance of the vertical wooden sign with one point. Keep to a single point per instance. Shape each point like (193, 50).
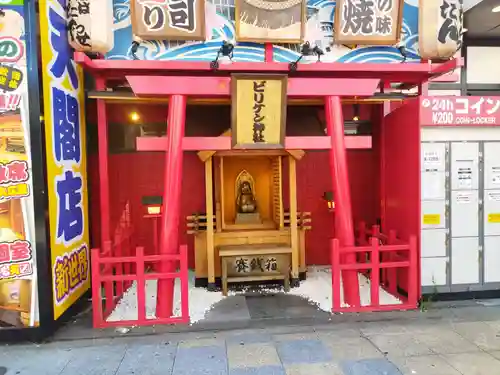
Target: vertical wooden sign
(258, 106)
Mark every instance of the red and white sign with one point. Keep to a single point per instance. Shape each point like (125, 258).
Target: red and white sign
(460, 111)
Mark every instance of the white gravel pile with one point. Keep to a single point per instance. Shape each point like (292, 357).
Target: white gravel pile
(317, 289)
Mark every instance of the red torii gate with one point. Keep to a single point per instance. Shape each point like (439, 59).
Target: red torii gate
(363, 82)
(178, 88)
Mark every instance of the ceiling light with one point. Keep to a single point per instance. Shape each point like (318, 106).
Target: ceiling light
(496, 9)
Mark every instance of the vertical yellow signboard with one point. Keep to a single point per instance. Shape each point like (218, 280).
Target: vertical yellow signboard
(63, 97)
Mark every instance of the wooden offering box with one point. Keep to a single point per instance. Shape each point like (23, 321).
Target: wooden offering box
(245, 221)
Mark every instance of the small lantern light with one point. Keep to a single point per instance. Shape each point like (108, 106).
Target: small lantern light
(152, 205)
(328, 197)
(154, 210)
(134, 116)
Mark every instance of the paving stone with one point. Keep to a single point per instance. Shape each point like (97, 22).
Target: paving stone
(331, 334)
(351, 348)
(495, 353)
(261, 370)
(382, 328)
(378, 366)
(97, 360)
(424, 365)
(231, 309)
(252, 355)
(303, 351)
(400, 345)
(474, 363)
(248, 338)
(314, 369)
(200, 342)
(311, 335)
(203, 360)
(148, 360)
(477, 313)
(479, 333)
(446, 342)
(34, 361)
(494, 323)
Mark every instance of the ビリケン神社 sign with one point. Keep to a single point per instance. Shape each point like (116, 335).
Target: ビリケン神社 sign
(258, 110)
(368, 21)
(168, 19)
(460, 110)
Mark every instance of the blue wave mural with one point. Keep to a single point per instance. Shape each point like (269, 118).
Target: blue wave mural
(220, 20)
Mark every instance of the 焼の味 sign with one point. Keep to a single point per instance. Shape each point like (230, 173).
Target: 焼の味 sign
(168, 19)
(258, 110)
(368, 21)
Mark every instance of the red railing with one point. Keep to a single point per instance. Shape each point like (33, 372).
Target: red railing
(389, 276)
(380, 264)
(117, 273)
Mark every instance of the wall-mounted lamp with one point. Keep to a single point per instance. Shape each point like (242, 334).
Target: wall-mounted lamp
(134, 116)
(355, 108)
(306, 50)
(152, 205)
(226, 50)
(328, 197)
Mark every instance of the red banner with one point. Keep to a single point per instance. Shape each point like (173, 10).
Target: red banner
(460, 110)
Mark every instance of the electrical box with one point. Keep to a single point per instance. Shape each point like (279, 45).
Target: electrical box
(460, 209)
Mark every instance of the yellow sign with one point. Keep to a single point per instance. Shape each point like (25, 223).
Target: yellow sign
(66, 159)
(432, 219)
(494, 218)
(258, 110)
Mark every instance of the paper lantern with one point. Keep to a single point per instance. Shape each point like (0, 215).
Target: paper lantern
(440, 28)
(90, 25)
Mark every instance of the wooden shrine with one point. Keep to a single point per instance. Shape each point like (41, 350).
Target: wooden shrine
(245, 234)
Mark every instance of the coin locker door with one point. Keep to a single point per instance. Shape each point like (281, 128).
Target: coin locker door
(491, 208)
(464, 218)
(492, 189)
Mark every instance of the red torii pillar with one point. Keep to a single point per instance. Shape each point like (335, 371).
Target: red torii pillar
(169, 238)
(344, 229)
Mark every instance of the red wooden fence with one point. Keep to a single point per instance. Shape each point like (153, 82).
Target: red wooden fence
(388, 257)
(116, 270)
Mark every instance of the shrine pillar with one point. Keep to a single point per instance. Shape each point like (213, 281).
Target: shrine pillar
(344, 229)
(102, 133)
(169, 237)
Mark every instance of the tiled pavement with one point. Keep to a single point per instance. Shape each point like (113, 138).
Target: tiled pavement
(390, 348)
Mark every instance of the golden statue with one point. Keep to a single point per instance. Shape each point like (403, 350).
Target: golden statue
(245, 197)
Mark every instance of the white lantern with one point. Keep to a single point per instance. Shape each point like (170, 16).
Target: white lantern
(90, 25)
(440, 28)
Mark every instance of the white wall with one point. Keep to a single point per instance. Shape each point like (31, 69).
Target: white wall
(483, 65)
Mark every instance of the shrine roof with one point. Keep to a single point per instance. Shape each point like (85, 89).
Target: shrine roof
(407, 73)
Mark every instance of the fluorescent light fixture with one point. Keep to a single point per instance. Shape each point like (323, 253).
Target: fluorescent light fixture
(496, 9)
